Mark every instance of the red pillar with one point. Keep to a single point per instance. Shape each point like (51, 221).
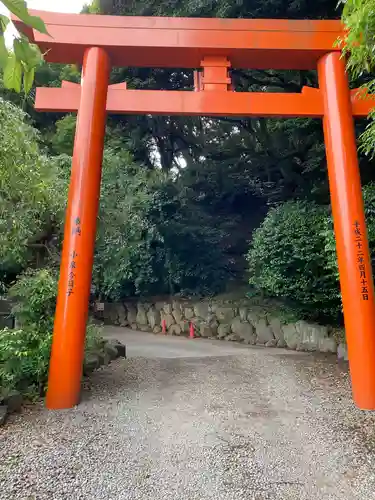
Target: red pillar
(350, 228)
(79, 235)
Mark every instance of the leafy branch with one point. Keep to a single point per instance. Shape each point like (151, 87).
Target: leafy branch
(20, 64)
(359, 48)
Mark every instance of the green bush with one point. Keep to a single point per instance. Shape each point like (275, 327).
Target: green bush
(25, 351)
(25, 354)
(34, 295)
(287, 259)
(24, 358)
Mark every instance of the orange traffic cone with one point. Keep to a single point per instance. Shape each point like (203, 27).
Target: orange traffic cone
(191, 331)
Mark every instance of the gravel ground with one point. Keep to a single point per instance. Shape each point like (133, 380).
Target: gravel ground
(228, 424)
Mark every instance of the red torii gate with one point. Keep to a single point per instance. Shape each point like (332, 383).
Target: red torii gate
(214, 45)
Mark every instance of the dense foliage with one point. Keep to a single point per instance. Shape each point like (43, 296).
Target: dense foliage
(152, 239)
(32, 194)
(287, 258)
(24, 358)
(301, 265)
(359, 47)
(155, 232)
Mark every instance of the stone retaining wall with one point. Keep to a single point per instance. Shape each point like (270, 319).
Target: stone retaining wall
(247, 324)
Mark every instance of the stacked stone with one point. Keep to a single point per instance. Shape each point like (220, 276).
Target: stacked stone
(220, 321)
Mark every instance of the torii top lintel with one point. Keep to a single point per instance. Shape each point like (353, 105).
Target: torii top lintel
(211, 44)
(182, 42)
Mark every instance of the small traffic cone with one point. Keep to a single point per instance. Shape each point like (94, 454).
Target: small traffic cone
(164, 327)
(191, 331)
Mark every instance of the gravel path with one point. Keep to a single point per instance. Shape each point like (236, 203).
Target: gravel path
(222, 422)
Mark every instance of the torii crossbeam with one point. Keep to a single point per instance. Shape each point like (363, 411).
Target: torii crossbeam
(211, 46)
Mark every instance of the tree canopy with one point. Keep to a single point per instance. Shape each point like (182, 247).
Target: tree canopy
(300, 9)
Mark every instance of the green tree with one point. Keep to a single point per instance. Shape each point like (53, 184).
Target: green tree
(152, 238)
